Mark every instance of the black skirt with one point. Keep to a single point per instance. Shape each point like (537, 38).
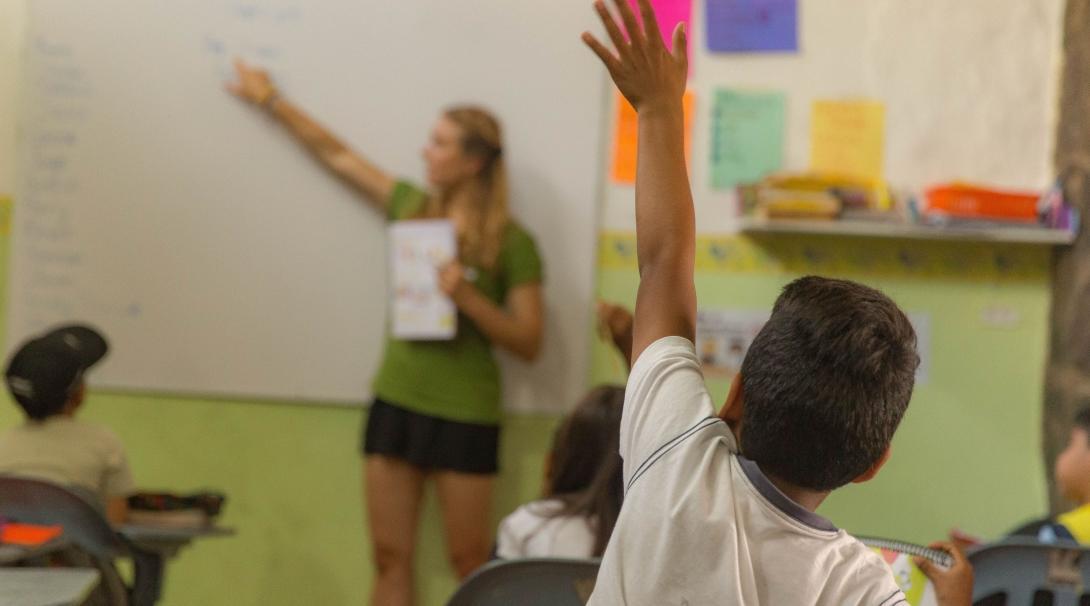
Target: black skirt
(430, 443)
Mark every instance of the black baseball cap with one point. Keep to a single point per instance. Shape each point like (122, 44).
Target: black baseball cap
(45, 369)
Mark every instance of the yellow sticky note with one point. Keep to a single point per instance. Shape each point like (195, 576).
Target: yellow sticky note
(626, 137)
(847, 138)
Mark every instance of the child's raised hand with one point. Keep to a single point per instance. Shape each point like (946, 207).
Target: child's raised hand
(647, 74)
(953, 585)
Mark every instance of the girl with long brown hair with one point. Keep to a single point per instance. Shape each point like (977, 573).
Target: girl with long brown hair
(436, 410)
(583, 487)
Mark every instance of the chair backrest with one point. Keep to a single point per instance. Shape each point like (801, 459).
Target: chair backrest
(39, 502)
(1021, 572)
(529, 582)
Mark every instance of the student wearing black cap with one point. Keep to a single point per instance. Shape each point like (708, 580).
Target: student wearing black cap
(45, 376)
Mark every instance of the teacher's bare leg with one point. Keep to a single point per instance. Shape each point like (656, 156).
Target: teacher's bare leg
(394, 490)
(466, 502)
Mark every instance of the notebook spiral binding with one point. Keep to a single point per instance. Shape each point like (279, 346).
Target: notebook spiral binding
(935, 555)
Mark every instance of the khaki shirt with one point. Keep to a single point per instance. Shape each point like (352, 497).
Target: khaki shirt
(69, 452)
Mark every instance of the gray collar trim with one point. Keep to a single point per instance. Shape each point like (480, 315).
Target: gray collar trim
(781, 501)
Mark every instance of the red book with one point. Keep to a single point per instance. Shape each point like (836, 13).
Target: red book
(972, 202)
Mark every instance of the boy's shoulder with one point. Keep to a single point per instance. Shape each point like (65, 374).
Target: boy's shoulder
(856, 570)
(60, 427)
(98, 433)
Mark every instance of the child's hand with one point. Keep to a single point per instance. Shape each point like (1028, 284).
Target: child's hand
(253, 84)
(954, 585)
(647, 74)
(614, 323)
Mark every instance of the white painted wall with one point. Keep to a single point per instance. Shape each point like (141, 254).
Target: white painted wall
(11, 31)
(970, 88)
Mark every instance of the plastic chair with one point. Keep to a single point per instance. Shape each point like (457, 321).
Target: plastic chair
(38, 502)
(529, 582)
(1021, 572)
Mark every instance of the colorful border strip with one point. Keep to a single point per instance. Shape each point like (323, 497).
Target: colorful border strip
(777, 254)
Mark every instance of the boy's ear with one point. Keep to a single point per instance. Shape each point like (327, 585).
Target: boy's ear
(735, 404)
(874, 469)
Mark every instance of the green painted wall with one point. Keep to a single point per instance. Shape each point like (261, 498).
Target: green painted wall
(293, 478)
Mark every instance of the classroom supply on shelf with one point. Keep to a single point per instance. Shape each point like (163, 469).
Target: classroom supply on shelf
(965, 201)
(815, 196)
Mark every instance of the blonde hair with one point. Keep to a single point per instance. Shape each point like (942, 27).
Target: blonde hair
(482, 138)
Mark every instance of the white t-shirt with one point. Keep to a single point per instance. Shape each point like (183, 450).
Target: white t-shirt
(702, 525)
(530, 532)
(69, 452)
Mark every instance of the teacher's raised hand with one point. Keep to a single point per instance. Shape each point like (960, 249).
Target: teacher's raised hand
(253, 84)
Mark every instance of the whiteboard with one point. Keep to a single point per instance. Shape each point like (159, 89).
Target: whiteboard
(215, 254)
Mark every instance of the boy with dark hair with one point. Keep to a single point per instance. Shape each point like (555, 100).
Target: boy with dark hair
(821, 392)
(1072, 471)
(45, 376)
(826, 383)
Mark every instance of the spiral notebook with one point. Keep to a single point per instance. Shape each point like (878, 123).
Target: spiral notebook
(898, 554)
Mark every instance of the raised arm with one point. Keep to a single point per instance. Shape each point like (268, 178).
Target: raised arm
(255, 86)
(652, 78)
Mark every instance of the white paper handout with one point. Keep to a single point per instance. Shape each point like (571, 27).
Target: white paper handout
(420, 309)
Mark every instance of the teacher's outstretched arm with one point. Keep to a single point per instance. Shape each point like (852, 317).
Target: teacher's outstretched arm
(652, 78)
(255, 86)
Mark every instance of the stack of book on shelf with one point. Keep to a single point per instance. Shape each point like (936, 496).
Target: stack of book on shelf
(825, 199)
(817, 196)
(964, 205)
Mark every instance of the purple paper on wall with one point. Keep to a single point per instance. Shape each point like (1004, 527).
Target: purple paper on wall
(744, 26)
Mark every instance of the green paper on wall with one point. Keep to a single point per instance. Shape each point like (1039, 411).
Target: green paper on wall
(747, 136)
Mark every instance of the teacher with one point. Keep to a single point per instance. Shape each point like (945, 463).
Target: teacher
(436, 410)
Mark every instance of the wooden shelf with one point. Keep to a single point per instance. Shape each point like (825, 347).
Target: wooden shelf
(874, 229)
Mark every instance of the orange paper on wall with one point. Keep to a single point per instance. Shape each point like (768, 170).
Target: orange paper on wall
(626, 137)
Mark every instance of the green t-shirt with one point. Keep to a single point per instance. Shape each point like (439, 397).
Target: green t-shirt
(457, 379)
